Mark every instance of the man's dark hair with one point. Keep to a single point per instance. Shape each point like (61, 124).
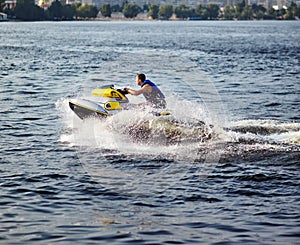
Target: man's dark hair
(141, 76)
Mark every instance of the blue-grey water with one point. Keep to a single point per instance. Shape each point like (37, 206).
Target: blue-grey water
(67, 181)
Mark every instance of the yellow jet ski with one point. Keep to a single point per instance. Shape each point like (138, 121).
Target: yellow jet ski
(106, 101)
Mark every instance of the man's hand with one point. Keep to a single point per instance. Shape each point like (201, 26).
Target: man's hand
(125, 90)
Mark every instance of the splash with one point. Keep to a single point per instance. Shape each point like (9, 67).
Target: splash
(140, 132)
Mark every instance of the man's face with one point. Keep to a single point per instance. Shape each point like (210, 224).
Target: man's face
(137, 80)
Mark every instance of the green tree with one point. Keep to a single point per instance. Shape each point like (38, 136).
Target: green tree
(55, 11)
(182, 11)
(247, 13)
(86, 11)
(239, 7)
(58, 11)
(270, 14)
(76, 7)
(202, 12)
(27, 10)
(258, 8)
(106, 10)
(165, 11)
(69, 12)
(259, 15)
(228, 13)
(213, 11)
(258, 11)
(281, 13)
(153, 11)
(298, 12)
(291, 12)
(146, 8)
(2, 4)
(131, 10)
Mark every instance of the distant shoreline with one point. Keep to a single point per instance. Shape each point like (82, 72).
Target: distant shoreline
(140, 19)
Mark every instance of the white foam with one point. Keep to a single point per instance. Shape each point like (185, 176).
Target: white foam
(111, 133)
(266, 130)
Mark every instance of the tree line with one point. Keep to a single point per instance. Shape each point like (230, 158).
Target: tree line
(257, 12)
(27, 10)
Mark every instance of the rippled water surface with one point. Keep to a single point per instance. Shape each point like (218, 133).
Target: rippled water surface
(223, 168)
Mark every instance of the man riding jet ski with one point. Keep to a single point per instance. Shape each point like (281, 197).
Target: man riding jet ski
(154, 97)
(98, 106)
(162, 127)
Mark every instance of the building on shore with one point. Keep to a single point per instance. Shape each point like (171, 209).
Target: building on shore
(3, 16)
(191, 3)
(10, 4)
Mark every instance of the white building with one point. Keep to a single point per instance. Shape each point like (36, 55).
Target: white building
(141, 3)
(10, 4)
(3, 16)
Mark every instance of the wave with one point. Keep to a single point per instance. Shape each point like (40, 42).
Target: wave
(275, 131)
(129, 150)
(188, 133)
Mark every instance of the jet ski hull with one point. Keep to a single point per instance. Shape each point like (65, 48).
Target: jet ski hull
(86, 109)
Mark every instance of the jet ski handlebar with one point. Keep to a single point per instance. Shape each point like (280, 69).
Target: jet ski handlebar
(123, 91)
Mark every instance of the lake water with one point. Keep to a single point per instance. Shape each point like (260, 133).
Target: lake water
(234, 180)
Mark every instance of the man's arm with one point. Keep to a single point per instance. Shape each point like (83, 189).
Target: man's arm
(146, 89)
